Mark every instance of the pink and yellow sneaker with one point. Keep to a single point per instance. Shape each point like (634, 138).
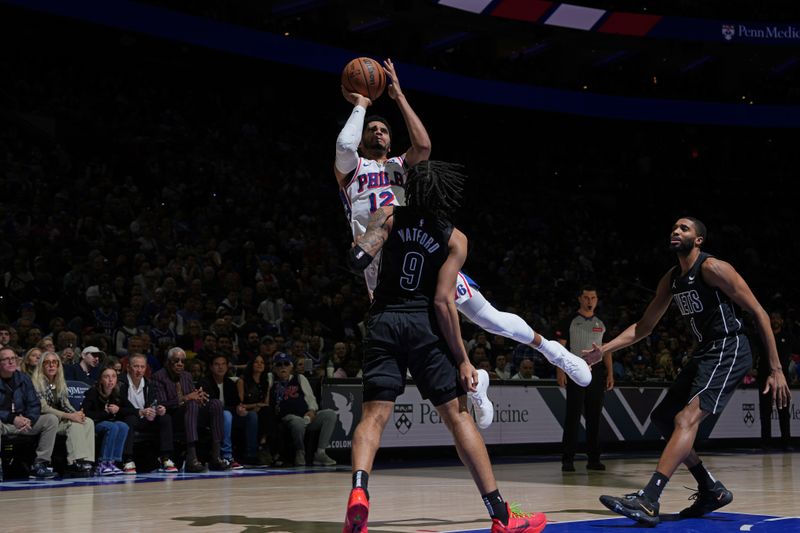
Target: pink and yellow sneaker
(519, 522)
(355, 521)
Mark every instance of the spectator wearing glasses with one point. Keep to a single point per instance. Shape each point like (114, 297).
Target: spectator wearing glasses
(88, 368)
(21, 412)
(48, 380)
(189, 407)
(296, 406)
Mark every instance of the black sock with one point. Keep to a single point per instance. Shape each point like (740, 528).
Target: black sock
(653, 489)
(360, 481)
(705, 481)
(496, 506)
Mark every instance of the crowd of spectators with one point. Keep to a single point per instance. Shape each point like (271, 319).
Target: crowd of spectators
(178, 198)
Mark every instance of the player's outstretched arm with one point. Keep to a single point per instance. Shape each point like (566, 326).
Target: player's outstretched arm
(638, 330)
(446, 313)
(350, 136)
(420, 142)
(722, 275)
(368, 245)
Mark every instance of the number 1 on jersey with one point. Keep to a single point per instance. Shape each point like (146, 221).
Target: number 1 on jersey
(387, 198)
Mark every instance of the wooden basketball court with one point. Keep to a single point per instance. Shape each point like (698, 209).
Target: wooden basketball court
(420, 497)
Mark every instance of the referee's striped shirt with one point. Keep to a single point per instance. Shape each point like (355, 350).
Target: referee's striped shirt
(580, 332)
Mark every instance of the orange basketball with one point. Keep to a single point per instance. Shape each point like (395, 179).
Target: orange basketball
(364, 76)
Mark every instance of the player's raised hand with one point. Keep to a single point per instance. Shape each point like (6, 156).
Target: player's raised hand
(356, 99)
(394, 83)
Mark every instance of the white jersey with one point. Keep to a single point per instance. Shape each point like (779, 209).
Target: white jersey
(371, 186)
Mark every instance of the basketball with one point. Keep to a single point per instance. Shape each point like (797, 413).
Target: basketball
(364, 76)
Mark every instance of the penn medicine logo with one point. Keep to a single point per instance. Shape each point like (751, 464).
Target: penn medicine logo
(728, 31)
(403, 413)
(748, 416)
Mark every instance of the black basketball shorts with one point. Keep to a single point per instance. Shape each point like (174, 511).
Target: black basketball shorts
(712, 375)
(402, 341)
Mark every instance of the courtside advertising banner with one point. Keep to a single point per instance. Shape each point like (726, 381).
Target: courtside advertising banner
(534, 414)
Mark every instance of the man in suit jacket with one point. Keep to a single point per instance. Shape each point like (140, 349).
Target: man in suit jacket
(189, 406)
(143, 413)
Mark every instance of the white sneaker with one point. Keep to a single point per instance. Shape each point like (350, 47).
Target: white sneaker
(168, 466)
(484, 409)
(322, 459)
(575, 367)
(129, 467)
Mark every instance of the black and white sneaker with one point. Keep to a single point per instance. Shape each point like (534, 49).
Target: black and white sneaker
(635, 506)
(42, 471)
(706, 501)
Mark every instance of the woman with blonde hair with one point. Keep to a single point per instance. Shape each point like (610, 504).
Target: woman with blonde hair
(46, 344)
(30, 361)
(48, 379)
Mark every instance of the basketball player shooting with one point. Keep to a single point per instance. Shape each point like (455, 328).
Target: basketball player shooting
(370, 179)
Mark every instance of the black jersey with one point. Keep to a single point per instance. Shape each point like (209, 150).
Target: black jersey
(709, 311)
(416, 249)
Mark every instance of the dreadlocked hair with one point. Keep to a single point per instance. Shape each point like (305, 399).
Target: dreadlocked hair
(435, 186)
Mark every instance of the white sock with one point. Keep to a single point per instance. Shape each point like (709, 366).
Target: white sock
(550, 350)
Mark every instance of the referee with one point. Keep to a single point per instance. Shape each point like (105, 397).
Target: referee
(577, 334)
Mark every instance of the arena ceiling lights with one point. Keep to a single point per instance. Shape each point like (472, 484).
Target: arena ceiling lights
(633, 24)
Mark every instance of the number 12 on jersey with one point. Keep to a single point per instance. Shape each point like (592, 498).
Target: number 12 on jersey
(386, 198)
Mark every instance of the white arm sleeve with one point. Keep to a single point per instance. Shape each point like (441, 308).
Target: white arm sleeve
(348, 139)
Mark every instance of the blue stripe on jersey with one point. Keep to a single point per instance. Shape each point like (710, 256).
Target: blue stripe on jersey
(346, 203)
(470, 281)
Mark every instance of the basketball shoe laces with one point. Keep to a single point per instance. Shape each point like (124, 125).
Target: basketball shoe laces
(517, 512)
(563, 360)
(570, 366)
(697, 494)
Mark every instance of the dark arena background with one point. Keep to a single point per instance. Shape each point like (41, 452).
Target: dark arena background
(170, 162)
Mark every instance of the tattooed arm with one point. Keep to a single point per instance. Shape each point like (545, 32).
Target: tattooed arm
(369, 244)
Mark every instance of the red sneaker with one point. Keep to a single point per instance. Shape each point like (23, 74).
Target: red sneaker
(519, 522)
(355, 521)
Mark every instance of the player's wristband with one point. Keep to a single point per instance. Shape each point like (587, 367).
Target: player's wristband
(358, 259)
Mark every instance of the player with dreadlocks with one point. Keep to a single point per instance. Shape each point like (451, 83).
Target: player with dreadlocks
(438, 186)
(369, 179)
(413, 326)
